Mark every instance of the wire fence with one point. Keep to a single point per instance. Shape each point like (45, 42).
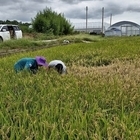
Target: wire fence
(89, 25)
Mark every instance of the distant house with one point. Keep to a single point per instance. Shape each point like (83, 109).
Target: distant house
(123, 28)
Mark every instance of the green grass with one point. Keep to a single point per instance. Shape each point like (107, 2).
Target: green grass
(21, 44)
(30, 41)
(97, 100)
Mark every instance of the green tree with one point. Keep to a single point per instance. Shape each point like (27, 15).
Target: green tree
(48, 21)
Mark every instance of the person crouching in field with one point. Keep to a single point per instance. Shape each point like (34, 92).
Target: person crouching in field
(30, 64)
(58, 65)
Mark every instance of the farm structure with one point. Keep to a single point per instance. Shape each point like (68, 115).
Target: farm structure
(123, 28)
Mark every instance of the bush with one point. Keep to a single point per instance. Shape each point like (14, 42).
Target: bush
(50, 22)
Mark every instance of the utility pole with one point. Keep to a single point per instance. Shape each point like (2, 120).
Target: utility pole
(102, 20)
(110, 19)
(86, 17)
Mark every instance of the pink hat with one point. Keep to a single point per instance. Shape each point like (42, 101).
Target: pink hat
(41, 61)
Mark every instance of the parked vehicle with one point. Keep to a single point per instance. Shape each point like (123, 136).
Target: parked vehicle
(8, 31)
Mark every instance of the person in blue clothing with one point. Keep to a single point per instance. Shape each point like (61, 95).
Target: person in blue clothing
(30, 64)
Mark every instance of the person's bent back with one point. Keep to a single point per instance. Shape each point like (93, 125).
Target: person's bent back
(30, 64)
(58, 65)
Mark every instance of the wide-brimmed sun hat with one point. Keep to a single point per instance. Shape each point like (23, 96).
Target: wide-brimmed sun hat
(41, 61)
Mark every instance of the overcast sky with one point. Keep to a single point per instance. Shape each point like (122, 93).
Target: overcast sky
(73, 10)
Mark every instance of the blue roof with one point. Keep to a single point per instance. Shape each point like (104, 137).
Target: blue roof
(113, 29)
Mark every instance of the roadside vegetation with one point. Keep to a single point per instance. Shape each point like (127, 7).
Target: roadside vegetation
(97, 100)
(36, 41)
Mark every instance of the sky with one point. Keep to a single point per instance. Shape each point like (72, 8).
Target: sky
(73, 10)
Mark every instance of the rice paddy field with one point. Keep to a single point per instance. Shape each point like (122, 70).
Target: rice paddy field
(99, 98)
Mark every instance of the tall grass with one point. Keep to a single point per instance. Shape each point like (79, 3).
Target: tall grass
(97, 100)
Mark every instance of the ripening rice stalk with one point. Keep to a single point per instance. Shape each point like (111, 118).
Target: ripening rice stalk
(98, 98)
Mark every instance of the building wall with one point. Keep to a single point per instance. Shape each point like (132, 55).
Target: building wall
(112, 33)
(129, 30)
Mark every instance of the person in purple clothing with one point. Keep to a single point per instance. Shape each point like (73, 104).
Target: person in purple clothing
(30, 64)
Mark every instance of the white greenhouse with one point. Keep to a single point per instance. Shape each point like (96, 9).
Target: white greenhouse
(123, 28)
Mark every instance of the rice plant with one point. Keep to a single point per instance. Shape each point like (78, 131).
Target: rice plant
(99, 98)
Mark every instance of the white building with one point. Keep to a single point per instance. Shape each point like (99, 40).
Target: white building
(123, 28)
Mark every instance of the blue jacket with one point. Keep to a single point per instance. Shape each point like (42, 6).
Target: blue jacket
(29, 64)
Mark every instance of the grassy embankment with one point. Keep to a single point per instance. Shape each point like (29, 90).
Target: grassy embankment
(98, 99)
(32, 42)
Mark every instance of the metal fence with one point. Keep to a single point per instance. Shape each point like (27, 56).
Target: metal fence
(91, 26)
